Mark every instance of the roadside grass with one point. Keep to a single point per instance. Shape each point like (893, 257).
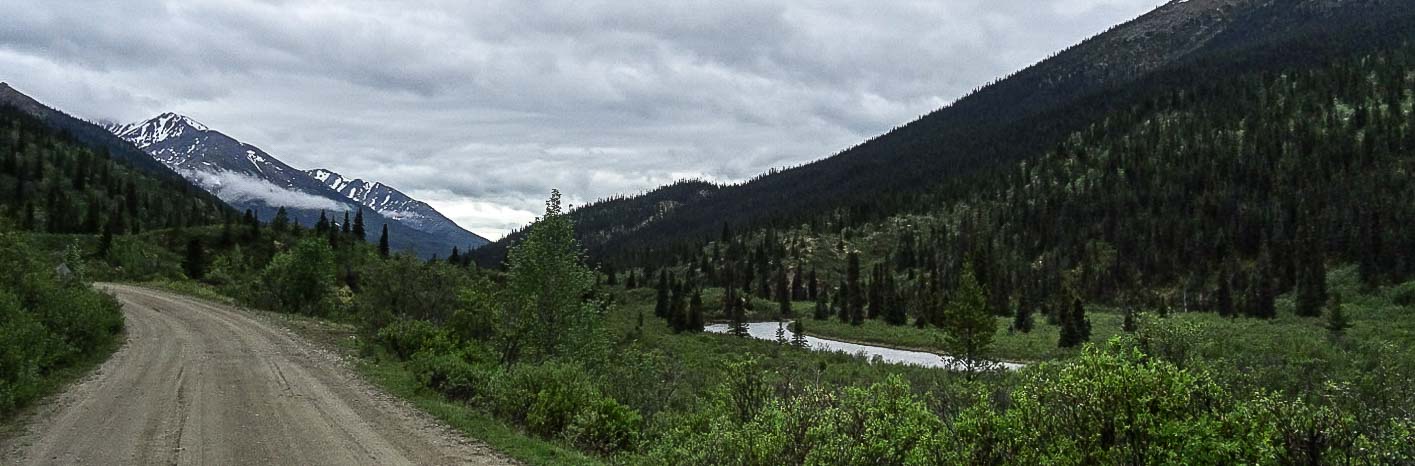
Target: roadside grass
(395, 378)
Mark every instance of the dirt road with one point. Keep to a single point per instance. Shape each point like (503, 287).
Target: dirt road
(199, 383)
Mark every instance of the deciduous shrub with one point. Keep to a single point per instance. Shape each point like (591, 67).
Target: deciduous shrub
(404, 338)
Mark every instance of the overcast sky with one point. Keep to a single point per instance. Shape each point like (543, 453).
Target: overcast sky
(481, 107)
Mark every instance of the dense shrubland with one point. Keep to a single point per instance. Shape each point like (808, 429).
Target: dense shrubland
(49, 321)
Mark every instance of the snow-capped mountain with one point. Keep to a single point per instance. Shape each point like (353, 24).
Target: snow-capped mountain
(395, 205)
(247, 177)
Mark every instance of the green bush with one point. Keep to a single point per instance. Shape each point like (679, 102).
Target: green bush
(451, 374)
(44, 324)
(27, 348)
(301, 280)
(404, 338)
(1403, 294)
(605, 427)
(84, 319)
(543, 397)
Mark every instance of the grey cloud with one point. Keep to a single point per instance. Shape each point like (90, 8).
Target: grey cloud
(489, 104)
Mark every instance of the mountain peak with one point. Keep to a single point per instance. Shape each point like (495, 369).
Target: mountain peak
(157, 129)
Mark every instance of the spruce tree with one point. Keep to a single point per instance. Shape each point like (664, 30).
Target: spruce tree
(660, 308)
(1224, 295)
(970, 324)
(1079, 320)
(194, 264)
(813, 286)
(1129, 325)
(798, 335)
(281, 221)
(344, 228)
(383, 242)
(798, 285)
(359, 226)
(1022, 321)
(842, 305)
(1312, 276)
(854, 298)
(783, 295)
(875, 294)
(677, 307)
(695, 312)
(822, 305)
(1337, 322)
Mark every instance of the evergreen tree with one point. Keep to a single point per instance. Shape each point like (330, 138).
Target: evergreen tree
(359, 226)
(631, 282)
(822, 305)
(344, 227)
(781, 333)
(798, 335)
(677, 306)
(970, 324)
(612, 277)
(321, 227)
(1337, 322)
(1312, 278)
(783, 295)
(194, 264)
(1022, 321)
(842, 305)
(660, 307)
(105, 241)
(895, 313)
(383, 242)
(875, 293)
(854, 297)
(1129, 325)
(695, 312)
(1079, 319)
(455, 258)
(798, 285)
(1224, 295)
(281, 221)
(813, 286)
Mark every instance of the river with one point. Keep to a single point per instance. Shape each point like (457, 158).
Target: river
(767, 331)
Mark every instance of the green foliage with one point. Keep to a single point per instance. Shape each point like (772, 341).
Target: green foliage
(405, 287)
(301, 280)
(544, 397)
(404, 338)
(605, 427)
(1403, 294)
(46, 324)
(459, 374)
(544, 313)
(1110, 406)
(970, 325)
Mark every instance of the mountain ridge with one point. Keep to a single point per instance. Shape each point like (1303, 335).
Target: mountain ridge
(250, 178)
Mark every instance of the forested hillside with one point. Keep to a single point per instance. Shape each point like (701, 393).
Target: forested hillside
(1018, 117)
(55, 184)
